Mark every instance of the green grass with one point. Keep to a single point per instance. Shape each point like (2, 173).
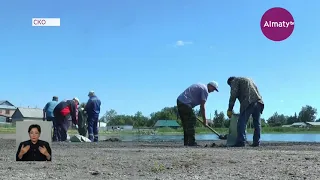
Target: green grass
(7, 129)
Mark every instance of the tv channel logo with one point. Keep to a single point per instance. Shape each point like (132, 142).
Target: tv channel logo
(46, 22)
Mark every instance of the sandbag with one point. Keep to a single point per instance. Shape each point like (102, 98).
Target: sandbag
(82, 122)
(79, 138)
(233, 133)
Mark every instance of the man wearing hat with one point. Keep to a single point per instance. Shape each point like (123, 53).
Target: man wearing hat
(193, 96)
(48, 114)
(251, 104)
(62, 113)
(92, 109)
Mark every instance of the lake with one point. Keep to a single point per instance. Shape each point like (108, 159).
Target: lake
(264, 137)
(206, 137)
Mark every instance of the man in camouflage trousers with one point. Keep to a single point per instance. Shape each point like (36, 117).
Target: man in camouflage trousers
(251, 103)
(194, 95)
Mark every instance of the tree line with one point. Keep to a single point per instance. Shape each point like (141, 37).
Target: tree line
(306, 114)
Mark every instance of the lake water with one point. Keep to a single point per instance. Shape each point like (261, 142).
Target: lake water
(264, 137)
(207, 137)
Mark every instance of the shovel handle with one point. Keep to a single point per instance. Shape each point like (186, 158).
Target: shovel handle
(209, 128)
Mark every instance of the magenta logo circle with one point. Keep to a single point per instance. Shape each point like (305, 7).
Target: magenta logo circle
(277, 24)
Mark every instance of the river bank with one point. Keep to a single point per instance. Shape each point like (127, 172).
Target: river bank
(165, 160)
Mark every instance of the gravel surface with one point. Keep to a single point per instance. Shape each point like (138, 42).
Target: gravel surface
(165, 161)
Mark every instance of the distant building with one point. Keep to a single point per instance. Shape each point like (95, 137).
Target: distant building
(6, 109)
(303, 124)
(313, 124)
(299, 124)
(27, 114)
(167, 123)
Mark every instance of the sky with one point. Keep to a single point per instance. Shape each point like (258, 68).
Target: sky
(139, 55)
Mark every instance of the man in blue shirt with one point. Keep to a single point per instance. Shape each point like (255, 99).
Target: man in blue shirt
(194, 95)
(48, 114)
(92, 109)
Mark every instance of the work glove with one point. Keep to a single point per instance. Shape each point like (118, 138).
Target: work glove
(229, 114)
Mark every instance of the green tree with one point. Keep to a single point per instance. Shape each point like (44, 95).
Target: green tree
(140, 120)
(219, 119)
(109, 115)
(292, 119)
(307, 114)
(277, 120)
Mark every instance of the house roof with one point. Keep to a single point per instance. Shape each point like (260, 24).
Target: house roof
(166, 123)
(5, 102)
(299, 124)
(314, 123)
(31, 112)
(7, 107)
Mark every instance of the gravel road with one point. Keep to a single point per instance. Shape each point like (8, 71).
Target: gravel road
(165, 161)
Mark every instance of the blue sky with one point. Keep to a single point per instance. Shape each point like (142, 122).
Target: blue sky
(125, 50)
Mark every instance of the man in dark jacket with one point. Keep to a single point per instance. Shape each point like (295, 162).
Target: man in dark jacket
(62, 112)
(251, 103)
(92, 109)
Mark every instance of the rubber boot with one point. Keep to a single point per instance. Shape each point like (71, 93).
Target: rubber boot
(185, 140)
(192, 140)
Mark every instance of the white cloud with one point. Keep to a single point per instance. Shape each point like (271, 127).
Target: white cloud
(183, 43)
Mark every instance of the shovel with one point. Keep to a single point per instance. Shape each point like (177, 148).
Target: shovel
(219, 135)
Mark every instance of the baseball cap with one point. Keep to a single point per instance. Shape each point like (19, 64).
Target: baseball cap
(214, 84)
(90, 93)
(77, 99)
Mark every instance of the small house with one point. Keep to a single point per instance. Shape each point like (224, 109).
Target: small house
(313, 124)
(299, 124)
(27, 114)
(167, 123)
(6, 109)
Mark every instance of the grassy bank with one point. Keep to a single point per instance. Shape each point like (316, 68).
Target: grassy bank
(200, 130)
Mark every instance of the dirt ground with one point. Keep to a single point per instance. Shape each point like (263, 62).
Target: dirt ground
(165, 161)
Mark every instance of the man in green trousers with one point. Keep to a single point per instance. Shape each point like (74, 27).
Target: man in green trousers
(193, 96)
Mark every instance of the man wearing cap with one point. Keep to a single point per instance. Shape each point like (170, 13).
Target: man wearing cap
(251, 103)
(48, 114)
(193, 96)
(62, 112)
(92, 109)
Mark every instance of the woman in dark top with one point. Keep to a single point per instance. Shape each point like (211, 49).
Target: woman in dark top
(34, 149)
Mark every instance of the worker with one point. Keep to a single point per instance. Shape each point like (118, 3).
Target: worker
(92, 109)
(49, 116)
(251, 103)
(82, 121)
(193, 96)
(62, 113)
